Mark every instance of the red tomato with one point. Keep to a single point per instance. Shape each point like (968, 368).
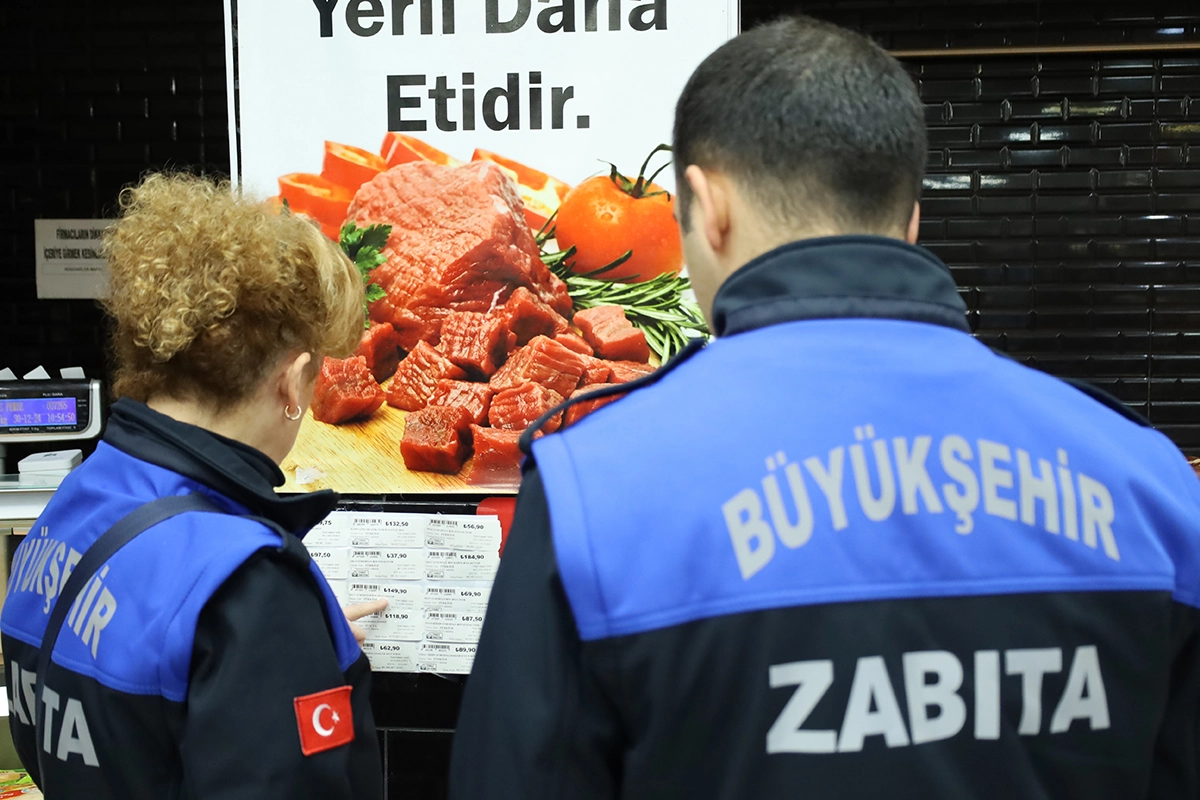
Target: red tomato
(603, 220)
(350, 167)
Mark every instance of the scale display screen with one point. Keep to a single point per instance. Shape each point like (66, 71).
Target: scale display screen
(37, 412)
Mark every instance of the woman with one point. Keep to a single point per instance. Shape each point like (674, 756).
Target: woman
(208, 657)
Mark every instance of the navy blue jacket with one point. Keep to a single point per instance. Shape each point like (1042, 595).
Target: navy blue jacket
(844, 551)
(177, 677)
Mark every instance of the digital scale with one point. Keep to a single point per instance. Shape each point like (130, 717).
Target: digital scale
(36, 410)
(49, 411)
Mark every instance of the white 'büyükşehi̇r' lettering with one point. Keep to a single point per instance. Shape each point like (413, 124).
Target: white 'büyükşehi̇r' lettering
(1071, 504)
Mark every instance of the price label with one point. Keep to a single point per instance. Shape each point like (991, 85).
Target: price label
(386, 530)
(392, 656)
(460, 565)
(334, 562)
(329, 532)
(401, 620)
(463, 533)
(453, 626)
(459, 599)
(386, 564)
(453, 659)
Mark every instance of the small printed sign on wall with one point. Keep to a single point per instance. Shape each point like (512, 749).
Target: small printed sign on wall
(69, 260)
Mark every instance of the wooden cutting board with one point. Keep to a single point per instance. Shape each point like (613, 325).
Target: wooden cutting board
(363, 457)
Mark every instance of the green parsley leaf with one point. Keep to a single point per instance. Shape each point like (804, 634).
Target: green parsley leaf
(364, 246)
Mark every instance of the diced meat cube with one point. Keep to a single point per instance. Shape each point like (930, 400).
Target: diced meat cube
(421, 324)
(516, 409)
(585, 407)
(497, 451)
(345, 389)
(474, 397)
(574, 342)
(612, 335)
(436, 439)
(475, 342)
(543, 361)
(380, 346)
(527, 316)
(596, 371)
(626, 371)
(418, 375)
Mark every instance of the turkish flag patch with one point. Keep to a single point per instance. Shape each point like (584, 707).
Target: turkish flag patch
(325, 720)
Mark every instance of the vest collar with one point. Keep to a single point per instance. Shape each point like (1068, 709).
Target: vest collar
(237, 471)
(839, 277)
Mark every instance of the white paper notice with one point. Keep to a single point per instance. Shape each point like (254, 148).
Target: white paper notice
(68, 260)
(435, 571)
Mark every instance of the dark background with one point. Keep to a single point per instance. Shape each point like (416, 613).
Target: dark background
(1064, 192)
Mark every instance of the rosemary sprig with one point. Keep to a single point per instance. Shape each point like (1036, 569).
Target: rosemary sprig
(657, 306)
(364, 246)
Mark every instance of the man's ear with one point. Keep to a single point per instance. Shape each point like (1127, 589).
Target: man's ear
(710, 204)
(914, 224)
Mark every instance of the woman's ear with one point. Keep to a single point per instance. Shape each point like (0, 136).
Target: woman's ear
(295, 382)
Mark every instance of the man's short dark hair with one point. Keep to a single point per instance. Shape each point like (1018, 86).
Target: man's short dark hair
(815, 121)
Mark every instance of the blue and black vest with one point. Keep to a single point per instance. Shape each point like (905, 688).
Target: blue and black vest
(123, 667)
(847, 549)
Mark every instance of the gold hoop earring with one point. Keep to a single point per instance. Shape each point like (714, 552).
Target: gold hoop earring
(287, 412)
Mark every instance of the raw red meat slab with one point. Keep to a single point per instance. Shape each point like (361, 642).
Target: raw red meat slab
(517, 409)
(380, 346)
(626, 371)
(527, 316)
(417, 377)
(436, 439)
(495, 450)
(585, 407)
(612, 335)
(574, 342)
(475, 342)
(474, 397)
(458, 237)
(542, 361)
(345, 389)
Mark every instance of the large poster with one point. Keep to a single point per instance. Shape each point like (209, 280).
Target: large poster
(494, 168)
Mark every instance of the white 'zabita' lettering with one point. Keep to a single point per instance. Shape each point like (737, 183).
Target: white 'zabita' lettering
(984, 476)
(932, 681)
(74, 735)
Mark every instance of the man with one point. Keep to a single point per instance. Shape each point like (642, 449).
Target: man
(844, 550)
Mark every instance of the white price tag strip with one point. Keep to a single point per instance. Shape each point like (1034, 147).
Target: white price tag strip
(435, 571)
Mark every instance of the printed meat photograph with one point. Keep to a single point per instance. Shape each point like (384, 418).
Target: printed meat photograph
(492, 292)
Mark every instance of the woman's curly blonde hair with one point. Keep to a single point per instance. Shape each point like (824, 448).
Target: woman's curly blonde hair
(210, 290)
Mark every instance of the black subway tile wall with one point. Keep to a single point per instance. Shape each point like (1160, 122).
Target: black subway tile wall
(1063, 189)
(91, 95)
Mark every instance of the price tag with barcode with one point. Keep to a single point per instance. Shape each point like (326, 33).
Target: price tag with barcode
(463, 533)
(386, 564)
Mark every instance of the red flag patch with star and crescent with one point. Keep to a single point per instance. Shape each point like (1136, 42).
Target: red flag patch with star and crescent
(325, 720)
